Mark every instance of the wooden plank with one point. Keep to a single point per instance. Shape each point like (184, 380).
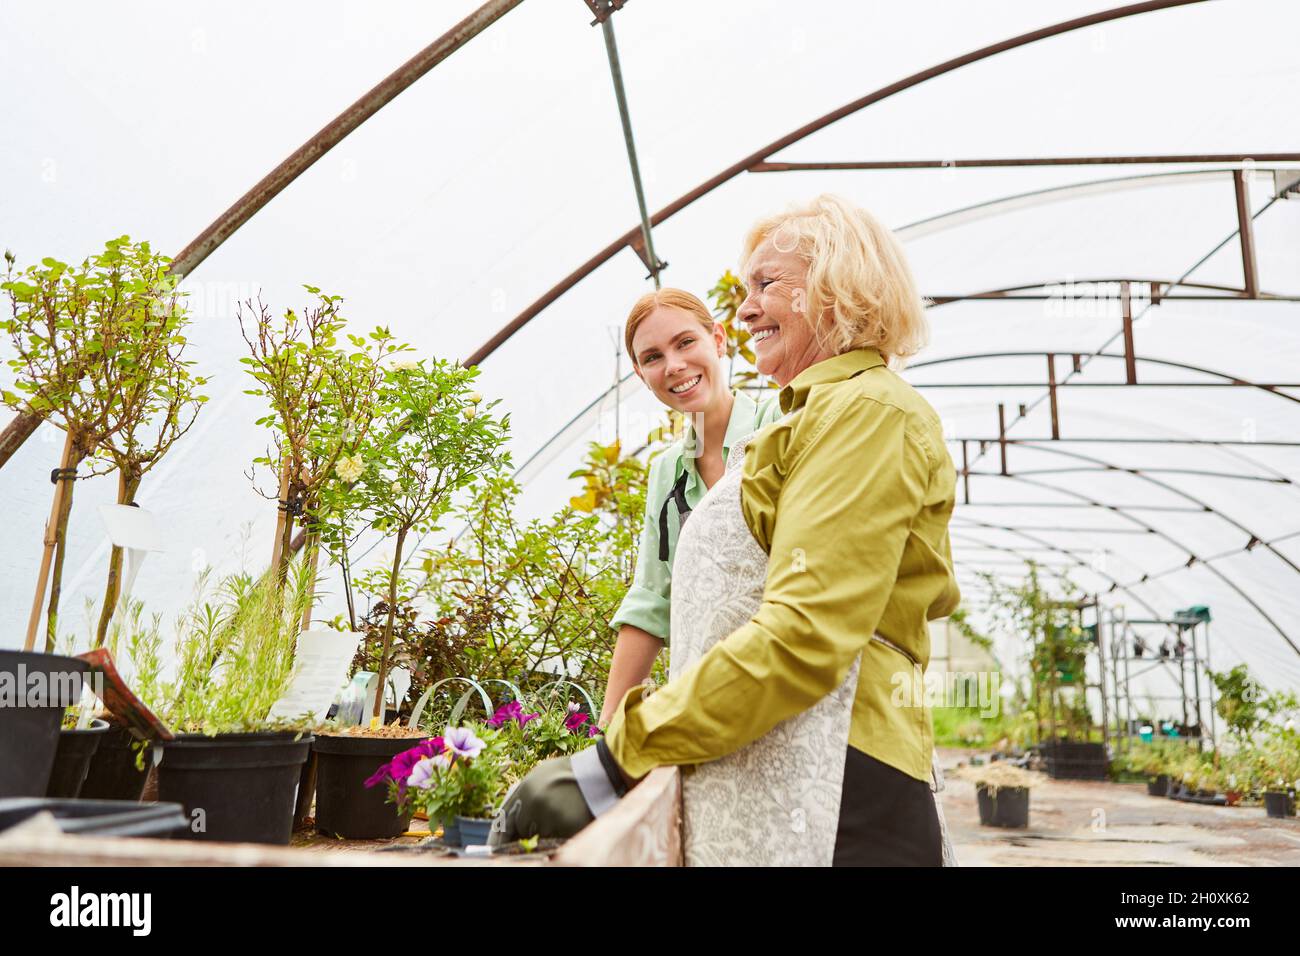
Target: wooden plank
(645, 829)
(59, 849)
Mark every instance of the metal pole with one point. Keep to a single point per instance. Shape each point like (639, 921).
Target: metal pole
(616, 73)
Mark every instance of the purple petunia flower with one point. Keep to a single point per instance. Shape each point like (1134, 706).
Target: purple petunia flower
(511, 711)
(400, 767)
(506, 713)
(462, 742)
(594, 731)
(573, 723)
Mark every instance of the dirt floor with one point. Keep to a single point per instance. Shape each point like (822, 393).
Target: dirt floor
(1082, 823)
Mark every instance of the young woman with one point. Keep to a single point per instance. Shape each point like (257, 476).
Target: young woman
(677, 350)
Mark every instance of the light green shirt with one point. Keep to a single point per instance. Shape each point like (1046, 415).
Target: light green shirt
(850, 495)
(648, 599)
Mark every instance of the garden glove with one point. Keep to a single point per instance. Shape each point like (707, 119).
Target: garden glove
(560, 796)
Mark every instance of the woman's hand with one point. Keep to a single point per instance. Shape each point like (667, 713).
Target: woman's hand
(560, 796)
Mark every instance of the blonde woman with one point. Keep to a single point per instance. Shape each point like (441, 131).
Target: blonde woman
(677, 350)
(803, 587)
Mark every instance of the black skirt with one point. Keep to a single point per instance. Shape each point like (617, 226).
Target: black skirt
(887, 818)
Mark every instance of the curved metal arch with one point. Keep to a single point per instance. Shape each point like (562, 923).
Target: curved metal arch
(629, 239)
(974, 356)
(1003, 294)
(1165, 537)
(1118, 586)
(1226, 475)
(1187, 496)
(1041, 197)
(1210, 559)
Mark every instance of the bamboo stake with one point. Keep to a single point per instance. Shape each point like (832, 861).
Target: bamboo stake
(282, 516)
(313, 562)
(51, 538)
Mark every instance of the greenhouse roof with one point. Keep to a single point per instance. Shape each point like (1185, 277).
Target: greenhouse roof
(1102, 204)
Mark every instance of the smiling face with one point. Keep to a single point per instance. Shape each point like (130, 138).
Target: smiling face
(776, 313)
(679, 360)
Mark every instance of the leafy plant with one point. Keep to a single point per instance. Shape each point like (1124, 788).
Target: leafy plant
(531, 600)
(430, 441)
(462, 773)
(322, 397)
(234, 655)
(1249, 710)
(97, 351)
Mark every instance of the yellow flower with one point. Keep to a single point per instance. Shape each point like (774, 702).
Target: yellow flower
(403, 364)
(349, 469)
(469, 412)
(473, 398)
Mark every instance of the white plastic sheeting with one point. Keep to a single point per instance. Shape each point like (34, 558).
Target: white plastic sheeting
(504, 169)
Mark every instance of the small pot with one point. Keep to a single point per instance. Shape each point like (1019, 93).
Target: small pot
(39, 687)
(1005, 807)
(113, 774)
(474, 831)
(451, 832)
(1279, 804)
(244, 784)
(1158, 786)
(345, 807)
(72, 759)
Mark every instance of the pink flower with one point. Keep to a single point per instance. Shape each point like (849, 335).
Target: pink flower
(400, 767)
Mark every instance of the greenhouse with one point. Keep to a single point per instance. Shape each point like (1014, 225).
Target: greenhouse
(361, 373)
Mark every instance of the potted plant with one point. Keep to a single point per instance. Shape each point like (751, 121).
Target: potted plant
(1002, 791)
(232, 766)
(76, 748)
(458, 779)
(117, 769)
(35, 690)
(429, 439)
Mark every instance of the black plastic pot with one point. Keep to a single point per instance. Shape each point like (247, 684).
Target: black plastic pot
(1279, 804)
(238, 788)
(35, 689)
(1005, 807)
(345, 807)
(113, 774)
(1158, 786)
(117, 818)
(72, 759)
(1075, 760)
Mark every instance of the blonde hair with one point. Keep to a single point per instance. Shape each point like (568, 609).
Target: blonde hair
(677, 299)
(857, 275)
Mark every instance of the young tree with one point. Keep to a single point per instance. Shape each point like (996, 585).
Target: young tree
(67, 324)
(150, 394)
(431, 440)
(322, 397)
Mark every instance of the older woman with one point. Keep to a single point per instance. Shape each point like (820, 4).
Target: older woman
(803, 586)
